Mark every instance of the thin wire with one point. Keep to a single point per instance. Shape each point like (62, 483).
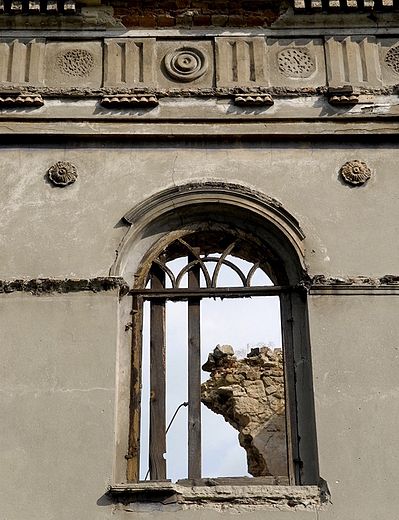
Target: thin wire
(167, 429)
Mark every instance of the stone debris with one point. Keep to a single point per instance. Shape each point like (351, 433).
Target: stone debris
(249, 394)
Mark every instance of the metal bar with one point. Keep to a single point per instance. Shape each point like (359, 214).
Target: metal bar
(133, 456)
(194, 375)
(157, 447)
(290, 390)
(225, 292)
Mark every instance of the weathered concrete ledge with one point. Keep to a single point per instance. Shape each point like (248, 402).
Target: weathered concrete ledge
(41, 286)
(212, 493)
(386, 285)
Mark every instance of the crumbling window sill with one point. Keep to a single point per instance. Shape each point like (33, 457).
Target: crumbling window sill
(263, 491)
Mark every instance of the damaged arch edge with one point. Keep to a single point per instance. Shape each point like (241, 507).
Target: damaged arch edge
(197, 194)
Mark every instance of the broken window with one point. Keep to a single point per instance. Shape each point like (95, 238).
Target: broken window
(254, 394)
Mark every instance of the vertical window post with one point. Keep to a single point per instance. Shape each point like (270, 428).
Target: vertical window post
(157, 463)
(133, 456)
(194, 374)
(289, 384)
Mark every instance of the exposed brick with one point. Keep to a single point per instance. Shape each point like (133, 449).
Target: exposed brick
(219, 20)
(254, 20)
(250, 6)
(237, 20)
(168, 6)
(202, 19)
(133, 3)
(129, 20)
(184, 20)
(270, 16)
(183, 4)
(165, 20)
(199, 5)
(147, 21)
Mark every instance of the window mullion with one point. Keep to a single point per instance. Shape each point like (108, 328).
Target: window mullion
(290, 392)
(157, 444)
(133, 456)
(194, 375)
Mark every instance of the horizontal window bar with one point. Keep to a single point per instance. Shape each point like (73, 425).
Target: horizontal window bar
(228, 292)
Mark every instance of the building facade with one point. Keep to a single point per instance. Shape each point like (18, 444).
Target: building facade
(138, 133)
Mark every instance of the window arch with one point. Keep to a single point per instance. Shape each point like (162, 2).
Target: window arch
(207, 232)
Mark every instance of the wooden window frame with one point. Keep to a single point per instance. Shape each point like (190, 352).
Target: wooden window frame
(158, 295)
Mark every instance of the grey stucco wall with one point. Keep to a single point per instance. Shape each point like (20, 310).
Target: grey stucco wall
(59, 351)
(75, 231)
(58, 400)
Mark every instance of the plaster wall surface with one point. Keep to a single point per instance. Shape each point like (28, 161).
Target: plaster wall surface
(355, 365)
(59, 351)
(75, 231)
(57, 404)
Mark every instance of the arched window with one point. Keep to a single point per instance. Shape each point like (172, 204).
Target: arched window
(188, 251)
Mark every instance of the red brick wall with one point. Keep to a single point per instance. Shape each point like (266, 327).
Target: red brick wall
(195, 13)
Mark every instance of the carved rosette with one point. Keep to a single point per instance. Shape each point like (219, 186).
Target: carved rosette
(186, 64)
(355, 172)
(296, 63)
(62, 173)
(392, 59)
(76, 63)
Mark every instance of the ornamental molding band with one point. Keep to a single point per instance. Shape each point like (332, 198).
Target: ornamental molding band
(359, 62)
(62, 173)
(355, 172)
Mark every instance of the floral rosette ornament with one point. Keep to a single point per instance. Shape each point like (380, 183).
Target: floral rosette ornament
(62, 173)
(355, 172)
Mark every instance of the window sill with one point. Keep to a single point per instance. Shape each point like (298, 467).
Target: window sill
(244, 492)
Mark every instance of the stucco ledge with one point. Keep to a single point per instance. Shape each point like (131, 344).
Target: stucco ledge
(209, 492)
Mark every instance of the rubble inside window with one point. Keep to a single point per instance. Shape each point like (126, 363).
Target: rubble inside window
(249, 394)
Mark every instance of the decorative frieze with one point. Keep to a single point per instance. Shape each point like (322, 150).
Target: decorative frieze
(224, 62)
(186, 64)
(74, 64)
(296, 62)
(254, 100)
(180, 63)
(241, 61)
(22, 61)
(11, 100)
(389, 59)
(129, 62)
(353, 61)
(129, 101)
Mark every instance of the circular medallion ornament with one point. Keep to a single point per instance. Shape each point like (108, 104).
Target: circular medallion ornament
(392, 59)
(355, 172)
(62, 173)
(76, 63)
(186, 64)
(295, 63)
